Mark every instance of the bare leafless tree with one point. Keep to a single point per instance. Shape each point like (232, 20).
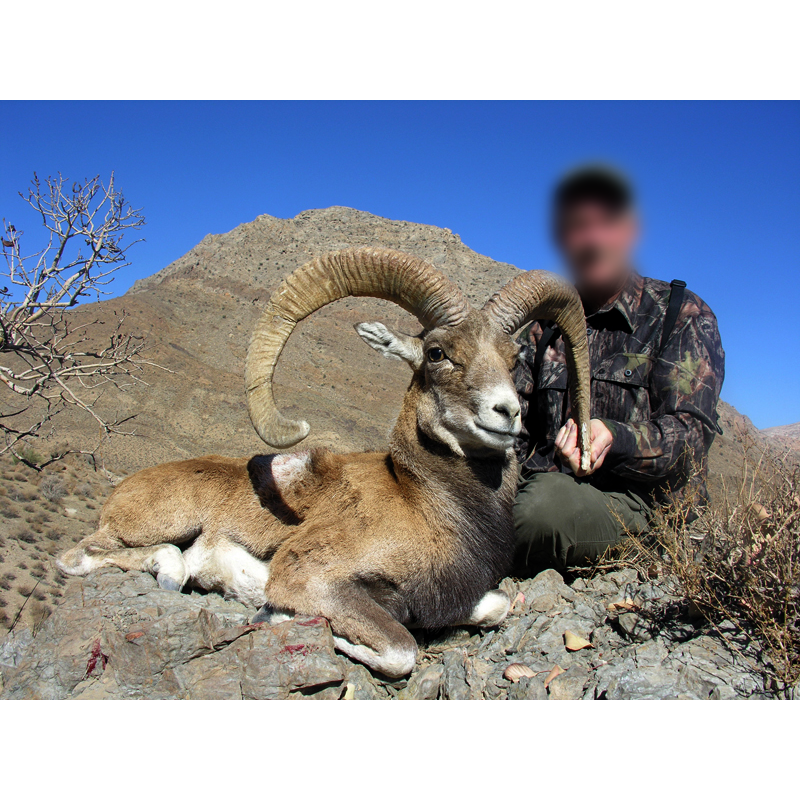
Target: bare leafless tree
(49, 357)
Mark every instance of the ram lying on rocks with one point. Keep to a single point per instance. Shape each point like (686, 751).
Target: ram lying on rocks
(374, 542)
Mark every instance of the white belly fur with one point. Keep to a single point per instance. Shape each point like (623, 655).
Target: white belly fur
(230, 569)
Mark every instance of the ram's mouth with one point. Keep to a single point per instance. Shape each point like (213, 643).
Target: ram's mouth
(495, 431)
(503, 438)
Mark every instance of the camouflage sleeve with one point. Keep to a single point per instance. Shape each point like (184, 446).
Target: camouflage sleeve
(523, 381)
(684, 390)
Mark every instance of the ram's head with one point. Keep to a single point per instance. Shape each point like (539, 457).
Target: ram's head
(462, 360)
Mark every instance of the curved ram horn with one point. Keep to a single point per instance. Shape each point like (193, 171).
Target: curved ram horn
(412, 283)
(543, 295)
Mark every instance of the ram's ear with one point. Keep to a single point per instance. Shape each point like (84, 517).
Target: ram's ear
(391, 344)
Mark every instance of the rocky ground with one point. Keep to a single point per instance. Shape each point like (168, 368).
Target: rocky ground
(117, 635)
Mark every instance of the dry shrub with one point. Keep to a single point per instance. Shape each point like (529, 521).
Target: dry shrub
(25, 535)
(52, 488)
(27, 454)
(84, 490)
(22, 494)
(738, 561)
(741, 561)
(39, 612)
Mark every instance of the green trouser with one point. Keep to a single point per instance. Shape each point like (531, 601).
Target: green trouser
(563, 522)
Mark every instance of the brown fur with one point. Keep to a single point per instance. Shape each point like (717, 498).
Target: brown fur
(372, 541)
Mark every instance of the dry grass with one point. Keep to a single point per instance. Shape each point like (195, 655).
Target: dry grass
(738, 561)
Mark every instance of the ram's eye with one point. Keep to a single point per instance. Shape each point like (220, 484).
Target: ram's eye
(436, 354)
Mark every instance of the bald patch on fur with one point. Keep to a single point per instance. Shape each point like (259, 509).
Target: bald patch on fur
(290, 467)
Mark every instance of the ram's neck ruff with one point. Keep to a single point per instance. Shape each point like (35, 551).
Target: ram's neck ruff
(470, 495)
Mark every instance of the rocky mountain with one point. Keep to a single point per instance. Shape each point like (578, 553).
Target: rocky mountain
(784, 437)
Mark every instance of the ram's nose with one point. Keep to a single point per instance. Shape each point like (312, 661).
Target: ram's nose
(502, 411)
(508, 408)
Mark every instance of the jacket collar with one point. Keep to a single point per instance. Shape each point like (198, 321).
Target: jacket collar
(626, 304)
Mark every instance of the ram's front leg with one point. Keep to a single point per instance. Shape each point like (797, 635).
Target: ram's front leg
(367, 632)
(362, 628)
(490, 610)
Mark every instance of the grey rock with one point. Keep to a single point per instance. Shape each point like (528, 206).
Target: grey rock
(13, 646)
(650, 654)
(424, 684)
(544, 602)
(551, 640)
(634, 627)
(547, 582)
(365, 687)
(454, 678)
(570, 685)
(656, 683)
(528, 689)
(602, 585)
(507, 640)
(568, 593)
(624, 577)
(589, 610)
(118, 635)
(732, 673)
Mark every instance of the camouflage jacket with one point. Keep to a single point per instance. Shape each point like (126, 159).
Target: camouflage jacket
(661, 408)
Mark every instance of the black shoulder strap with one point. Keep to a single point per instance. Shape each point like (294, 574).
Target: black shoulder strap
(673, 309)
(544, 342)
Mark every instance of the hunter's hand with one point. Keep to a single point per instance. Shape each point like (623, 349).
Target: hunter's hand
(569, 453)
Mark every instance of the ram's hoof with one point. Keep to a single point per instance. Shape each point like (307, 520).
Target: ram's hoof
(168, 582)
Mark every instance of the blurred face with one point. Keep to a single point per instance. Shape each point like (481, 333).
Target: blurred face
(597, 243)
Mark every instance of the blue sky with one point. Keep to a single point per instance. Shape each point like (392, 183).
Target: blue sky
(719, 186)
